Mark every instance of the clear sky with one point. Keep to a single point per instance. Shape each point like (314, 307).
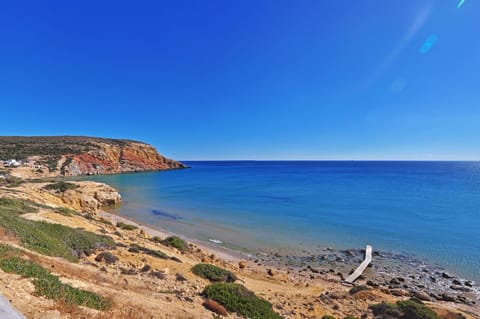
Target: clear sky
(248, 79)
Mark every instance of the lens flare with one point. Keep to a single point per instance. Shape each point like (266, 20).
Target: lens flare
(460, 3)
(429, 42)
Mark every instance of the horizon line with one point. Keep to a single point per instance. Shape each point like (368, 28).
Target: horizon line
(330, 160)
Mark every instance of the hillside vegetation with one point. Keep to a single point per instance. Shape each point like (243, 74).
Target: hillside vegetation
(22, 147)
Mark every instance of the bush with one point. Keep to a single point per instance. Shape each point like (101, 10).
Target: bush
(356, 289)
(148, 251)
(213, 273)
(52, 239)
(13, 181)
(17, 205)
(105, 221)
(408, 309)
(328, 317)
(60, 186)
(176, 242)
(50, 286)
(156, 239)
(7, 251)
(126, 226)
(237, 298)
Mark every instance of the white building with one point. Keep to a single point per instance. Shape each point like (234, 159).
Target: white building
(12, 162)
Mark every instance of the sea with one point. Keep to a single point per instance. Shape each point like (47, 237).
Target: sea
(430, 210)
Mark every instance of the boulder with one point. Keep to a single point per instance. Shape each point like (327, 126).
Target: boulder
(242, 264)
(447, 297)
(446, 275)
(106, 257)
(399, 292)
(422, 295)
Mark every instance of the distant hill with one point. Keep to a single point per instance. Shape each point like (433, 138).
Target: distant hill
(81, 155)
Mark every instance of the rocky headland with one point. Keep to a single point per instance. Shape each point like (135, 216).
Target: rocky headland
(52, 156)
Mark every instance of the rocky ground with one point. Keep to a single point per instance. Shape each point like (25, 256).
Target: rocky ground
(140, 285)
(393, 274)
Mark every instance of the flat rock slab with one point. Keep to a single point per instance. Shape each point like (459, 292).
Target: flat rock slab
(7, 311)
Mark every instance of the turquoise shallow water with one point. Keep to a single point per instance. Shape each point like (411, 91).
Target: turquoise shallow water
(430, 209)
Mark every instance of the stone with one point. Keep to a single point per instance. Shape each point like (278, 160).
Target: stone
(180, 277)
(446, 275)
(134, 249)
(399, 292)
(447, 297)
(421, 295)
(457, 282)
(460, 288)
(178, 260)
(242, 264)
(157, 274)
(106, 257)
(146, 268)
(128, 272)
(394, 281)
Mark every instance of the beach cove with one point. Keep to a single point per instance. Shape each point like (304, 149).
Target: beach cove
(142, 270)
(423, 210)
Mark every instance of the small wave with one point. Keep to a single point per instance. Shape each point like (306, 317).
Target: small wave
(216, 241)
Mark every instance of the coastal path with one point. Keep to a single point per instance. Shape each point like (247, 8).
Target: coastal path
(368, 259)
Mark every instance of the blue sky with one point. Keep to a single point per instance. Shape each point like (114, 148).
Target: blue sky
(248, 79)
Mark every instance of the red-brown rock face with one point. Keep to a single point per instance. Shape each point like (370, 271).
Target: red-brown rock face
(116, 158)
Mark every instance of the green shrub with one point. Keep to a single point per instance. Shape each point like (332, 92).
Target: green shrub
(52, 239)
(356, 289)
(328, 317)
(156, 239)
(350, 317)
(408, 309)
(60, 186)
(148, 251)
(50, 286)
(126, 226)
(237, 298)
(105, 221)
(7, 251)
(18, 205)
(176, 242)
(13, 181)
(22, 267)
(213, 273)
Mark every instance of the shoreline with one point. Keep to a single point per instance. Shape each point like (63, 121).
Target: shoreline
(392, 273)
(222, 252)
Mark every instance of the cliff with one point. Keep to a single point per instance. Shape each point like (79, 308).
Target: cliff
(73, 156)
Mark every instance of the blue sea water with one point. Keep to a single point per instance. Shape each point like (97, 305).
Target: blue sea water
(429, 209)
